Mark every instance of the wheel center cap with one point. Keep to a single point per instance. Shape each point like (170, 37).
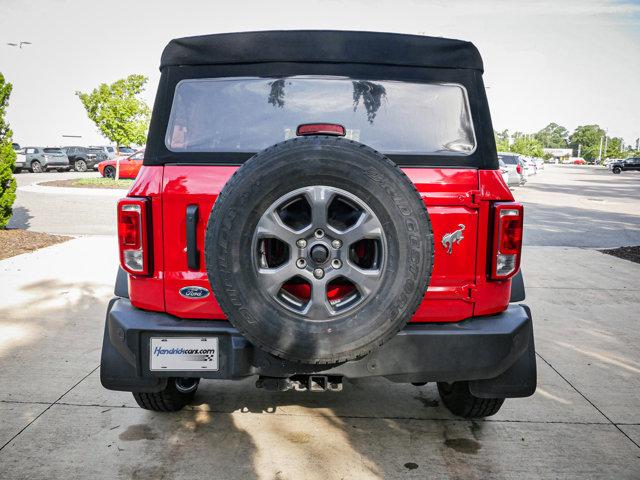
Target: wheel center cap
(319, 253)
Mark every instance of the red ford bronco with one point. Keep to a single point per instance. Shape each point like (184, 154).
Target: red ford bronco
(314, 206)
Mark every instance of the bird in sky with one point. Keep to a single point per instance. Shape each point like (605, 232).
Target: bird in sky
(19, 45)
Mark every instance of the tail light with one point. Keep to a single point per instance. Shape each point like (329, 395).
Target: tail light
(321, 129)
(507, 240)
(519, 168)
(132, 235)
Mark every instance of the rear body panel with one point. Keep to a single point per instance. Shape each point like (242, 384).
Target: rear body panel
(456, 199)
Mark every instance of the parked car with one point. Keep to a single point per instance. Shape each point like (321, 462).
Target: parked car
(297, 261)
(628, 164)
(529, 166)
(515, 168)
(83, 158)
(575, 161)
(129, 166)
(108, 150)
(21, 160)
(40, 159)
(124, 151)
(504, 171)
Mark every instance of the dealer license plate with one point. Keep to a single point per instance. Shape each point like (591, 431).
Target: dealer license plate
(184, 353)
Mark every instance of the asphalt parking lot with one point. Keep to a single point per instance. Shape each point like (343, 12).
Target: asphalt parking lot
(583, 421)
(70, 211)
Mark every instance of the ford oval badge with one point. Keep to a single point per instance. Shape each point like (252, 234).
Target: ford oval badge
(194, 292)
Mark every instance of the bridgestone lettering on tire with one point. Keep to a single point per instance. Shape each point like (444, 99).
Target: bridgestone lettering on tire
(319, 250)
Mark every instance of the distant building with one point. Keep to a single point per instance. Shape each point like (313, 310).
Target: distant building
(558, 154)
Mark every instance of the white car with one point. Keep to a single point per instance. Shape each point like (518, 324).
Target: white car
(529, 166)
(21, 160)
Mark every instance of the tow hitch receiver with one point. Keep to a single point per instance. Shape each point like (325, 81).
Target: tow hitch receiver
(302, 383)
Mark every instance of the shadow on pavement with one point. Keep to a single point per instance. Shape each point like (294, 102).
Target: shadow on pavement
(556, 225)
(50, 338)
(20, 218)
(629, 190)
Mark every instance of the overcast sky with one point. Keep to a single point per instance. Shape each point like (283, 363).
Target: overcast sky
(572, 62)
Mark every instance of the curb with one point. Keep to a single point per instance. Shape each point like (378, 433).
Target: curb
(98, 192)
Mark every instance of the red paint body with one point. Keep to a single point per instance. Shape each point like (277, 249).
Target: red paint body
(459, 286)
(129, 166)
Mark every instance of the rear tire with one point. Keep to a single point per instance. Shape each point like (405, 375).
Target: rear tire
(178, 393)
(617, 170)
(36, 167)
(109, 172)
(460, 401)
(80, 166)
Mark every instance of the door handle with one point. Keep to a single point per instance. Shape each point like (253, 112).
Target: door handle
(193, 256)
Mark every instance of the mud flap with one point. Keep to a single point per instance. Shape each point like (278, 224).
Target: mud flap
(517, 288)
(118, 374)
(519, 380)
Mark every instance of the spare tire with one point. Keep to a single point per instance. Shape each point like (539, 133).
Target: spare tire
(319, 249)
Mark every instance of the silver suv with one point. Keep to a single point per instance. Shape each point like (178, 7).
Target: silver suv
(40, 159)
(515, 168)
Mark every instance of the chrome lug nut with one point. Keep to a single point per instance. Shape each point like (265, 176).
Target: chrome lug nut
(318, 273)
(336, 263)
(301, 243)
(319, 233)
(301, 263)
(336, 243)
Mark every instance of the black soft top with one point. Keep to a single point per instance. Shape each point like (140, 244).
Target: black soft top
(325, 46)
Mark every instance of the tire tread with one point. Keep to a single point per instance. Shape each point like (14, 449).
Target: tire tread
(461, 402)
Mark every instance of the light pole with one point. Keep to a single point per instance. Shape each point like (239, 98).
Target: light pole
(600, 151)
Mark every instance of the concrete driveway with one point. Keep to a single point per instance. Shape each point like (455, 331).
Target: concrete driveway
(64, 211)
(583, 421)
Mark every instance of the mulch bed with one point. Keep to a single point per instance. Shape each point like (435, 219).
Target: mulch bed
(628, 253)
(15, 241)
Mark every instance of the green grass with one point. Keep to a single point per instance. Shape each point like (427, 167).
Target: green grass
(103, 182)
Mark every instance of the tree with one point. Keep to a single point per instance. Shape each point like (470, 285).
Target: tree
(7, 158)
(615, 148)
(502, 140)
(553, 136)
(117, 111)
(528, 146)
(588, 136)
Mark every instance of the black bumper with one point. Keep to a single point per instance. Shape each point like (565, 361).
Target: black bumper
(496, 353)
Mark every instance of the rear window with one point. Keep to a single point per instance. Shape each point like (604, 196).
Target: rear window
(52, 150)
(250, 114)
(508, 159)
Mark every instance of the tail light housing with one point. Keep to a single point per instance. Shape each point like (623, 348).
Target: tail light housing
(519, 168)
(132, 235)
(507, 240)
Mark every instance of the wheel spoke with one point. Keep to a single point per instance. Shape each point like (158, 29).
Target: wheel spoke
(271, 279)
(271, 226)
(367, 226)
(319, 199)
(318, 307)
(365, 280)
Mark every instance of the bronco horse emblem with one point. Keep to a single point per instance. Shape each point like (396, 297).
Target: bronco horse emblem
(449, 239)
